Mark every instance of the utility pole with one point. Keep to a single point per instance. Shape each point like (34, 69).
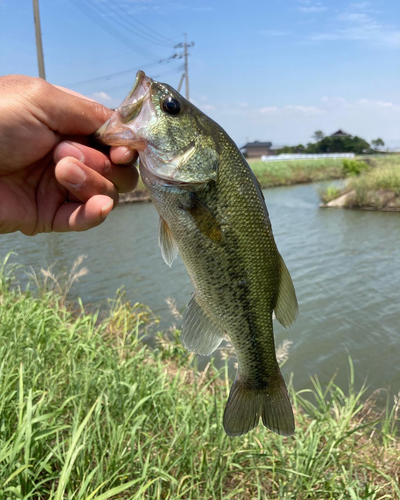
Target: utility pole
(185, 55)
(180, 82)
(39, 47)
(186, 68)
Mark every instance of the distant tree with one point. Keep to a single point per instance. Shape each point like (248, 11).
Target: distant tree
(318, 135)
(311, 148)
(299, 148)
(377, 143)
(286, 150)
(339, 145)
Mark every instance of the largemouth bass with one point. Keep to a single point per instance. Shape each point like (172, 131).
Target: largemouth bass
(212, 211)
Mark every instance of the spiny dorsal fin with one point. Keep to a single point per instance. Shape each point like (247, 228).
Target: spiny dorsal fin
(286, 308)
(204, 219)
(169, 248)
(200, 333)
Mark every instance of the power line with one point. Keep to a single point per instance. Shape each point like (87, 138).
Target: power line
(118, 36)
(111, 75)
(121, 22)
(99, 7)
(143, 26)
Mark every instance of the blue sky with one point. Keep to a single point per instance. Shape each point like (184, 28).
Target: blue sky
(272, 70)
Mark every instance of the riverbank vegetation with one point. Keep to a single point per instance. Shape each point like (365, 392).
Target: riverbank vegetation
(284, 173)
(88, 411)
(377, 188)
(339, 142)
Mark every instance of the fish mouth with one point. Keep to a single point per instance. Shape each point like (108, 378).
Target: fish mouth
(119, 129)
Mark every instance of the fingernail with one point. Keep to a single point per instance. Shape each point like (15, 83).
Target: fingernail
(106, 209)
(68, 149)
(73, 174)
(128, 157)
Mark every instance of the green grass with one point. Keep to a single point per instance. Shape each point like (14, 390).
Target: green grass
(330, 193)
(281, 173)
(377, 188)
(88, 411)
(386, 177)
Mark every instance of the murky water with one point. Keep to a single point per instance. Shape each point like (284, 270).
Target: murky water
(345, 266)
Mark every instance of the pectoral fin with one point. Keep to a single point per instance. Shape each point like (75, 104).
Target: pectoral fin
(200, 333)
(169, 248)
(286, 308)
(204, 219)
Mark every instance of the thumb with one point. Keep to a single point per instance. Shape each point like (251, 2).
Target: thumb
(68, 112)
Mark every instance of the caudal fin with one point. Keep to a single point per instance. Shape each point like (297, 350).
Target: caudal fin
(246, 404)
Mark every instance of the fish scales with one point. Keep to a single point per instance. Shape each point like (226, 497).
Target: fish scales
(220, 225)
(230, 281)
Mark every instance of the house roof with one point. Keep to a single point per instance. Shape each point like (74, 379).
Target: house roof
(257, 144)
(340, 133)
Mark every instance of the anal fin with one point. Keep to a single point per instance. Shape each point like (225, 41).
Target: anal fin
(169, 248)
(200, 333)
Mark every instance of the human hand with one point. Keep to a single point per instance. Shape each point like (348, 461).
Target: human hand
(51, 179)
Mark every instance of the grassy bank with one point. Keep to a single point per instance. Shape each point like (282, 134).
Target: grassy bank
(284, 173)
(376, 189)
(279, 173)
(87, 411)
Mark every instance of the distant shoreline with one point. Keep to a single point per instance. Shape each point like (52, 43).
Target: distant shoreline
(377, 188)
(383, 200)
(292, 172)
(283, 173)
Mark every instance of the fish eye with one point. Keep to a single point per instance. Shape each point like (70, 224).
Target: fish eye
(171, 106)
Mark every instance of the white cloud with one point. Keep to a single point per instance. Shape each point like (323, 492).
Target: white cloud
(243, 104)
(310, 6)
(305, 110)
(268, 110)
(292, 109)
(359, 23)
(104, 98)
(207, 107)
(295, 123)
(313, 8)
(382, 105)
(101, 97)
(334, 102)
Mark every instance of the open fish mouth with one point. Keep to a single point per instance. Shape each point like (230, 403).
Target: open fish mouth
(118, 130)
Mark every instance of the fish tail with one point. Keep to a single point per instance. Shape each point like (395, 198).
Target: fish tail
(247, 403)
